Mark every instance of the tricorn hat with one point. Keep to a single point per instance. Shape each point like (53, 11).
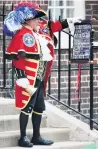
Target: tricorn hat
(23, 12)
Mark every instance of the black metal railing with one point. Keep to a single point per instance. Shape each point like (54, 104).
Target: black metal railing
(69, 69)
(69, 107)
(91, 68)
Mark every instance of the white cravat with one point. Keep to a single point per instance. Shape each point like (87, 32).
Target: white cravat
(45, 50)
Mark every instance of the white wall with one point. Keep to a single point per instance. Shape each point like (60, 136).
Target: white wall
(80, 8)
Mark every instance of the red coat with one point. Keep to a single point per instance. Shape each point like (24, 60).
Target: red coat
(26, 48)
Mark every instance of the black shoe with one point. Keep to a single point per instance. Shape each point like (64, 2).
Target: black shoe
(41, 141)
(25, 142)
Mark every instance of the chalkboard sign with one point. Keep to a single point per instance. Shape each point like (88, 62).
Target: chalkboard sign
(82, 42)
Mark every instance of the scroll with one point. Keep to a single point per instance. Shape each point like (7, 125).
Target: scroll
(82, 42)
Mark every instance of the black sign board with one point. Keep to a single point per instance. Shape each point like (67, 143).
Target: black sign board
(82, 43)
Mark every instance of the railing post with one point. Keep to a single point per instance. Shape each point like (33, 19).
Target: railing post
(49, 86)
(4, 61)
(91, 84)
(79, 87)
(59, 64)
(69, 68)
(91, 95)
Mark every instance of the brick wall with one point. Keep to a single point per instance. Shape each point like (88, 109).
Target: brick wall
(92, 11)
(85, 86)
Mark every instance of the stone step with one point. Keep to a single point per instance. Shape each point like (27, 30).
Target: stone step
(62, 145)
(9, 139)
(7, 107)
(11, 122)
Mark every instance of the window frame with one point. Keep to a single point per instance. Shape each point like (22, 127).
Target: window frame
(78, 11)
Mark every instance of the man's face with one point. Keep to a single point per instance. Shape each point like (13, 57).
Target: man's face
(34, 23)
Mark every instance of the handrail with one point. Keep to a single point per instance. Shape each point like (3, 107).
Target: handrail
(74, 68)
(71, 108)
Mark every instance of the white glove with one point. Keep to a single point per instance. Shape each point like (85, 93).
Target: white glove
(23, 82)
(71, 22)
(31, 90)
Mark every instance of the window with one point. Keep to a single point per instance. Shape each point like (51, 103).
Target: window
(62, 8)
(66, 9)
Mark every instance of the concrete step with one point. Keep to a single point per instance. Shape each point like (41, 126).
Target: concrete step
(9, 139)
(62, 145)
(11, 122)
(7, 107)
